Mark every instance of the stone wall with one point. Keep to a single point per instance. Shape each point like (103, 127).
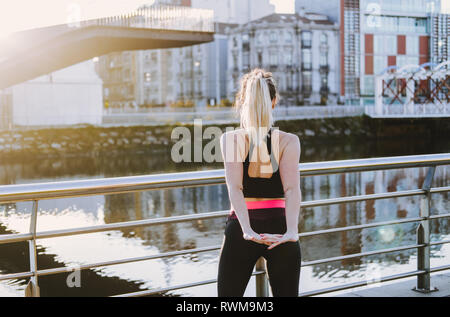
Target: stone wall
(93, 140)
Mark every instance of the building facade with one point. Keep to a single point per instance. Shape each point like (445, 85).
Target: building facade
(187, 76)
(300, 51)
(202, 69)
(440, 38)
(69, 96)
(377, 34)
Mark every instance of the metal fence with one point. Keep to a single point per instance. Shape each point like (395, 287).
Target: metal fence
(220, 115)
(160, 17)
(167, 115)
(36, 192)
(438, 110)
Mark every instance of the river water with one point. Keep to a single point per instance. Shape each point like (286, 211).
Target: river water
(117, 279)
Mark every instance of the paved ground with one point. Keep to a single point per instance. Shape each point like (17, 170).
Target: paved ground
(402, 288)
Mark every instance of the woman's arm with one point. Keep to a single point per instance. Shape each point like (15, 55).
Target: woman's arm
(232, 153)
(290, 177)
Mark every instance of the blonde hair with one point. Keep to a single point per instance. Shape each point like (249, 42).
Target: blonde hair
(254, 104)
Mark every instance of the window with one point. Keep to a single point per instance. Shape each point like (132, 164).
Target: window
(306, 59)
(307, 82)
(235, 61)
(380, 63)
(378, 44)
(246, 60)
(273, 58)
(402, 60)
(306, 39)
(288, 58)
(289, 81)
(273, 37)
(368, 85)
(260, 39)
(413, 60)
(260, 58)
(323, 58)
(126, 73)
(323, 38)
(289, 37)
(412, 45)
(391, 44)
(147, 77)
(385, 44)
(399, 24)
(324, 81)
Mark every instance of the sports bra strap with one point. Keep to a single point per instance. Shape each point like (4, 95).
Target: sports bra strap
(269, 149)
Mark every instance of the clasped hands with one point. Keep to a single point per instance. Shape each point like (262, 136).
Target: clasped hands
(272, 240)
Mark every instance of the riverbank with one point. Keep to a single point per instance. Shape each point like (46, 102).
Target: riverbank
(90, 140)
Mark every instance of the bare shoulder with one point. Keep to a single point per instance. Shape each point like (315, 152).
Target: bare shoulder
(287, 139)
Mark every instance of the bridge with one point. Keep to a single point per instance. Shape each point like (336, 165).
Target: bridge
(425, 282)
(29, 54)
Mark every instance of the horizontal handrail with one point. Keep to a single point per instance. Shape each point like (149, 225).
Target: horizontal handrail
(215, 248)
(119, 185)
(35, 192)
(19, 237)
(361, 283)
(362, 254)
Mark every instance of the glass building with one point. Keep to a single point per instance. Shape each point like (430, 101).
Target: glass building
(377, 34)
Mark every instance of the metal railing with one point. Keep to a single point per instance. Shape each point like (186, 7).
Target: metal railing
(221, 115)
(159, 17)
(36, 192)
(437, 110)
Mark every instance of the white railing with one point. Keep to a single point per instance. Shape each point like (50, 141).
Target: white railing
(163, 17)
(163, 116)
(409, 110)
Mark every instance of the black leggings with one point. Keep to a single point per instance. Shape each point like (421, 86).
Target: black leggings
(239, 256)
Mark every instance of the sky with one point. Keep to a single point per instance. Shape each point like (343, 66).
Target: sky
(446, 6)
(284, 6)
(18, 15)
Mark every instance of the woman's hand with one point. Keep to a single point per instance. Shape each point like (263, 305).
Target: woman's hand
(276, 239)
(251, 235)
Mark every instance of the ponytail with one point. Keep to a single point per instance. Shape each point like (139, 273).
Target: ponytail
(255, 105)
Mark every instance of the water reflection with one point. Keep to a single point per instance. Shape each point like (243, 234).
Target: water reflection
(77, 212)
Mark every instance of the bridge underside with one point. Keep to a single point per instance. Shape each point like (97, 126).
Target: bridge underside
(40, 52)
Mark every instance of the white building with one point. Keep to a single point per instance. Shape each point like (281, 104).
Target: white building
(66, 97)
(301, 52)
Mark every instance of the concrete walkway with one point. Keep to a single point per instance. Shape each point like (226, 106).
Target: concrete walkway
(402, 288)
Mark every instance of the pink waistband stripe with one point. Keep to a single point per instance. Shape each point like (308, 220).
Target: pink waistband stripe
(262, 204)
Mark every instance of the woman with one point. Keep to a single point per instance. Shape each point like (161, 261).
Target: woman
(263, 181)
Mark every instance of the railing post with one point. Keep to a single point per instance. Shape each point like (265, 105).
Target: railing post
(423, 237)
(262, 283)
(32, 289)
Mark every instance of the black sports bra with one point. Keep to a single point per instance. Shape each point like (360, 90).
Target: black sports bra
(257, 187)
